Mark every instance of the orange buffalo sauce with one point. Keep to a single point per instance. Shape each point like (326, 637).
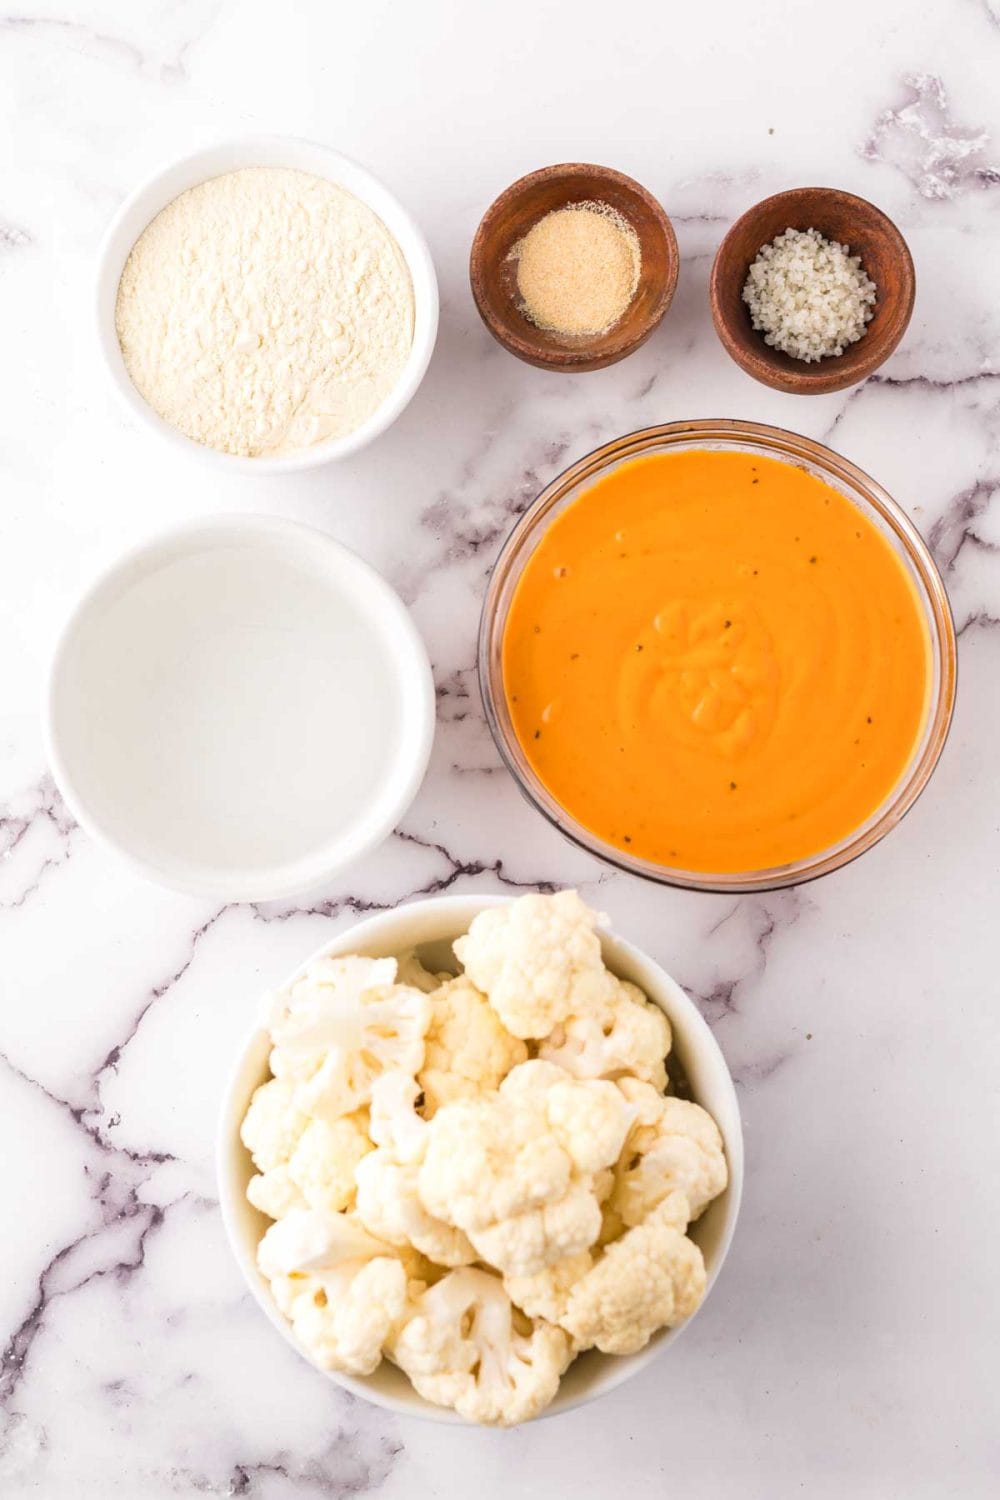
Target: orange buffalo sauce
(715, 661)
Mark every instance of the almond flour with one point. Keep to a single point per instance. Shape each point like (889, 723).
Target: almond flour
(264, 311)
(578, 269)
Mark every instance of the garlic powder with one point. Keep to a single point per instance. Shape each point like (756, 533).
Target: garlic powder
(264, 311)
(578, 269)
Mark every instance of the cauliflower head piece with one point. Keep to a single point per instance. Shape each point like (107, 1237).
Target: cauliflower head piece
(467, 1049)
(339, 1026)
(274, 1193)
(516, 1170)
(652, 1278)
(674, 1146)
(388, 1202)
(545, 1293)
(393, 1121)
(273, 1124)
(344, 1318)
(409, 970)
(322, 1165)
(343, 1290)
(623, 1034)
(538, 960)
(463, 1345)
(303, 1162)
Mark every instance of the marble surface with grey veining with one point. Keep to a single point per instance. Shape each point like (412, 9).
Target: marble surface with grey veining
(850, 1346)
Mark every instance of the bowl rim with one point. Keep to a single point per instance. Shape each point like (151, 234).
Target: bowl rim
(458, 911)
(786, 446)
(860, 359)
(385, 611)
(232, 153)
(580, 358)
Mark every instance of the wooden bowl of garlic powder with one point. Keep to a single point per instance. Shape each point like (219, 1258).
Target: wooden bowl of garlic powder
(573, 267)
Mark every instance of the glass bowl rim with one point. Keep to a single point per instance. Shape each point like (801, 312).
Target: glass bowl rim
(785, 446)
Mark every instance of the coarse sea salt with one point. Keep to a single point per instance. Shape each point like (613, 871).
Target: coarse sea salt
(808, 295)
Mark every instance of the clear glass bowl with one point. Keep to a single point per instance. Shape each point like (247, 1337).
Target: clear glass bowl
(877, 506)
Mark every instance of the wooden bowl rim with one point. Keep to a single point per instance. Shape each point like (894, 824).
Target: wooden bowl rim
(858, 361)
(580, 357)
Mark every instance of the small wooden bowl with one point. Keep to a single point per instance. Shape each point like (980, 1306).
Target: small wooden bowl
(494, 274)
(838, 216)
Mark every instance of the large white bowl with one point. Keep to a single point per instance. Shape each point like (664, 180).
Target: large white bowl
(430, 927)
(182, 726)
(142, 206)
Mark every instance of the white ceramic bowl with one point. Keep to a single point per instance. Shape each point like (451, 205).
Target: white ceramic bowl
(142, 206)
(240, 708)
(430, 927)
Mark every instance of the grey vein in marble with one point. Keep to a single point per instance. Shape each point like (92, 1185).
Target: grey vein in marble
(954, 528)
(919, 138)
(469, 528)
(36, 836)
(114, 1245)
(769, 916)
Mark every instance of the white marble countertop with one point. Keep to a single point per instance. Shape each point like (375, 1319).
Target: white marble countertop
(850, 1347)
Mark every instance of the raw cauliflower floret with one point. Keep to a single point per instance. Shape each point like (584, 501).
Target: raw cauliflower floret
(388, 1202)
(274, 1192)
(273, 1124)
(622, 1035)
(653, 1277)
(393, 1121)
(340, 1025)
(303, 1019)
(674, 1146)
(323, 1162)
(305, 1241)
(585, 1114)
(343, 1291)
(389, 1205)
(468, 1051)
(516, 1169)
(538, 960)
(346, 1319)
(462, 1347)
(546, 1293)
(409, 970)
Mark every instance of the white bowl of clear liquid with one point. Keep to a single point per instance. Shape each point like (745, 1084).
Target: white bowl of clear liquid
(240, 708)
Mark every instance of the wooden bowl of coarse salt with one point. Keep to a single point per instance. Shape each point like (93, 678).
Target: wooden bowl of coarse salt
(573, 266)
(812, 290)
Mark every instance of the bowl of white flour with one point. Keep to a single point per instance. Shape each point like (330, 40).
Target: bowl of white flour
(266, 304)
